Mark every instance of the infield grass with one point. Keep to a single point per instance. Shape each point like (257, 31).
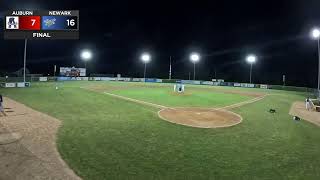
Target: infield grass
(163, 94)
(103, 137)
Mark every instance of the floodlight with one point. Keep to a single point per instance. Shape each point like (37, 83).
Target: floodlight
(86, 55)
(251, 59)
(145, 57)
(195, 57)
(315, 34)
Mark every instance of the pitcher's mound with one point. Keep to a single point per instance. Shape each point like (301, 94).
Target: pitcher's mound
(200, 118)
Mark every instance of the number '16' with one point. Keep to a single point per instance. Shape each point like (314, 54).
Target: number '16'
(71, 22)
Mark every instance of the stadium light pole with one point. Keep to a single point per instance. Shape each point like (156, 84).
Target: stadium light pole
(86, 56)
(315, 34)
(25, 60)
(145, 58)
(194, 58)
(251, 59)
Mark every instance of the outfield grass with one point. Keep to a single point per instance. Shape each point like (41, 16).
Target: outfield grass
(107, 138)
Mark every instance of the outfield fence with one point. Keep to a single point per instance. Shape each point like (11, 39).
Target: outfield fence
(12, 80)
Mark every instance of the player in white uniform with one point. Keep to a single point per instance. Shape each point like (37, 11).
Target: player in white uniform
(308, 104)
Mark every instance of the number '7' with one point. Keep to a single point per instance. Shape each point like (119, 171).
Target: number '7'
(33, 21)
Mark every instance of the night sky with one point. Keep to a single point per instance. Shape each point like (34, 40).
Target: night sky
(223, 32)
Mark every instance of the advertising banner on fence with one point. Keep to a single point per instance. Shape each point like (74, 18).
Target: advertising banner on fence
(237, 85)
(10, 85)
(21, 85)
(150, 80)
(43, 79)
(124, 79)
(72, 71)
(190, 82)
(107, 79)
(64, 78)
(137, 79)
(207, 82)
(250, 85)
(82, 78)
(230, 83)
(69, 79)
(223, 84)
(263, 86)
(247, 85)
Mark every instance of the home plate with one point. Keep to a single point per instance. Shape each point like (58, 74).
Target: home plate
(199, 113)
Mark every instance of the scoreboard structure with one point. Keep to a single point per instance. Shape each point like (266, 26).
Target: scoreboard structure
(41, 24)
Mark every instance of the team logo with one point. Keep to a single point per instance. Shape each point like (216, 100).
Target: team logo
(12, 22)
(49, 22)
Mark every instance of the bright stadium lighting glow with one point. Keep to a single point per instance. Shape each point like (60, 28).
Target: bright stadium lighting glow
(195, 57)
(315, 33)
(251, 59)
(145, 57)
(86, 55)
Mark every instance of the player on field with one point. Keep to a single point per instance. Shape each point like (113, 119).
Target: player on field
(1, 107)
(308, 104)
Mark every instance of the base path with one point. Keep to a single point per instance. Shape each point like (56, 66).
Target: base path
(299, 109)
(28, 149)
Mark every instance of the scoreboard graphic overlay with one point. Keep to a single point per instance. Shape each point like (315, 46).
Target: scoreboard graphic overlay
(41, 24)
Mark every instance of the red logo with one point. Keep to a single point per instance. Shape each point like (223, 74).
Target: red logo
(29, 23)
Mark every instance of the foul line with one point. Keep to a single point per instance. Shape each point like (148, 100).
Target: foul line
(162, 108)
(165, 107)
(241, 103)
(137, 101)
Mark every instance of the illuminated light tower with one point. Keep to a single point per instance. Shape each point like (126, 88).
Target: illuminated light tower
(86, 55)
(194, 58)
(145, 58)
(251, 59)
(315, 34)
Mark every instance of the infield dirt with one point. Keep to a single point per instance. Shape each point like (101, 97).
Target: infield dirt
(299, 109)
(200, 118)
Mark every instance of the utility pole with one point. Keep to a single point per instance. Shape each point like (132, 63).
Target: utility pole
(170, 70)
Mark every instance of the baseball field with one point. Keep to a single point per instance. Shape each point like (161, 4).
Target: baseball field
(118, 130)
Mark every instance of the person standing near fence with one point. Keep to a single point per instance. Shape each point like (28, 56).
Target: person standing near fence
(308, 104)
(1, 105)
